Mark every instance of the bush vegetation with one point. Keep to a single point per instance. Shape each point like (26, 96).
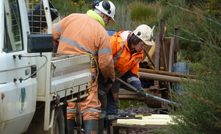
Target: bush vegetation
(199, 46)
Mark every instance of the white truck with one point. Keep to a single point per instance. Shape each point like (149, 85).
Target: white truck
(36, 84)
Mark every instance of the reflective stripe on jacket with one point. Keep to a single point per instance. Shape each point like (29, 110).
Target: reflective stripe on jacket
(81, 34)
(123, 60)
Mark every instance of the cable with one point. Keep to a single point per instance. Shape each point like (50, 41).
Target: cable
(37, 69)
(194, 35)
(185, 38)
(97, 69)
(216, 47)
(199, 15)
(194, 13)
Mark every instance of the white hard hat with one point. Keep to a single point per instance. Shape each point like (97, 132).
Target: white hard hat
(106, 7)
(145, 33)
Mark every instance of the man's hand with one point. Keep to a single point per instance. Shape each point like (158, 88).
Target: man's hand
(55, 42)
(109, 81)
(141, 92)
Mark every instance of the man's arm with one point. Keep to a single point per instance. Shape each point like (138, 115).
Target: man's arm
(105, 58)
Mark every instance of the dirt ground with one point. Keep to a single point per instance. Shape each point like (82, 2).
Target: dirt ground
(136, 131)
(130, 131)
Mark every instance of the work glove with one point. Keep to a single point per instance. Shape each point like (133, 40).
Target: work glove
(109, 81)
(141, 92)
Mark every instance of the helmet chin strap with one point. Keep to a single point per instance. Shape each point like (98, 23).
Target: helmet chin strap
(97, 11)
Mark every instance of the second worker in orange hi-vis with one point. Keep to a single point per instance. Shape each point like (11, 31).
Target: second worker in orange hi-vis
(128, 51)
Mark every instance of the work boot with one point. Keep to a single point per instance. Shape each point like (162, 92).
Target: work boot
(101, 126)
(101, 122)
(70, 126)
(91, 126)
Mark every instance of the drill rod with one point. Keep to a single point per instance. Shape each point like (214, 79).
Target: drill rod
(147, 94)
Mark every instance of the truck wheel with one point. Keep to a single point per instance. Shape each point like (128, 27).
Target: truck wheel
(59, 122)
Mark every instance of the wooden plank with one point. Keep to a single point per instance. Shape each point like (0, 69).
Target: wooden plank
(128, 95)
(115, 124)
(154, 119)
(122, 125)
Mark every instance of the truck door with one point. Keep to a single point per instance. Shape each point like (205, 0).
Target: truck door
(17, 87)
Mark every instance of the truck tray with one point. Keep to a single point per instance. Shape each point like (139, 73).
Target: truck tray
(70, 77)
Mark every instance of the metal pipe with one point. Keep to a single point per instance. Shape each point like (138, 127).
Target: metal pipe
(52, 118)
(160, 77)
(146, 94)
(166, 73)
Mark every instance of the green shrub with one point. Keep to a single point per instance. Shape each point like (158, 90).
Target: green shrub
(66, 7)
(200, 105)
(144, 13)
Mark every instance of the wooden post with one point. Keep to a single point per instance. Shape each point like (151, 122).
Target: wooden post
(171, 55)
(157, 57)
(176, 40)
(162, 32)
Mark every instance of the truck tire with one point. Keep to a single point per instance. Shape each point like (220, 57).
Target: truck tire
(37, 123)
(58, 126)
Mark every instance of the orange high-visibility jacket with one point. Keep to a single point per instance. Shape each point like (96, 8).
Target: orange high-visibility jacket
(81, 34)
(123, 59)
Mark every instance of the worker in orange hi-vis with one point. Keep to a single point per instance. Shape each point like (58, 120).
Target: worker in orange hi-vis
(82, 34)
(127, 49)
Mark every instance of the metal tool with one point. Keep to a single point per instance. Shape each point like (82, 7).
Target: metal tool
(146, 94)
(128, 118)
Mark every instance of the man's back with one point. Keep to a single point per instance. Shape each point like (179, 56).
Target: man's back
(85, 33)
(81, 33)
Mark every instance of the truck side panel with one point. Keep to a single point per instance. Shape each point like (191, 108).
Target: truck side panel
(18, 94)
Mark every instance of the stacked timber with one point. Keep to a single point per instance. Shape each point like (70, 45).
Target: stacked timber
(153, 119)
(141, 126)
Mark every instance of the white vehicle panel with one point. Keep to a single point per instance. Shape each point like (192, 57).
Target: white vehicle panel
(18, 91)
(1, 24)
(19, 101)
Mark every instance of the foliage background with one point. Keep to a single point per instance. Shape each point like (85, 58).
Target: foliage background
(199, 46)
(130, 14)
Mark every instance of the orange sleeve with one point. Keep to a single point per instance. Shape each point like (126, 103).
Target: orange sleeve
(113, 45)
(105, 59)
(135, 68)
(56, 34)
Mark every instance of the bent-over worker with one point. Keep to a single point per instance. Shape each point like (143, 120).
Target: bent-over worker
(127, 49)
